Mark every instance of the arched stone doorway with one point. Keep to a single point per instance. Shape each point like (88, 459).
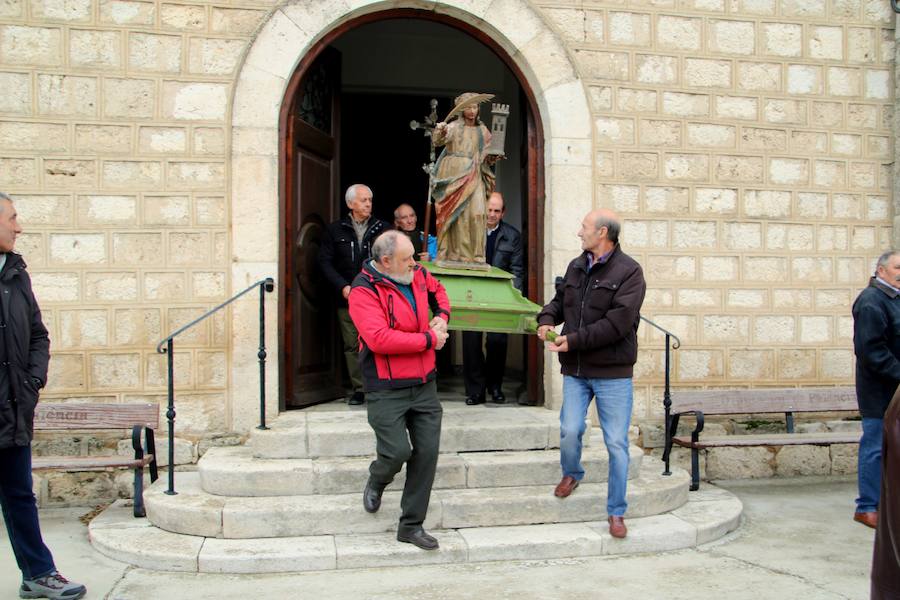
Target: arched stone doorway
(288, 43)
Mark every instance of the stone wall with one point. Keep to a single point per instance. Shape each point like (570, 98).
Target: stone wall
(747, 143)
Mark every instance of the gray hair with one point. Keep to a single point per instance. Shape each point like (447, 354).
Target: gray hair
(612, 227)
(385, 244)
(886, 257)
(350, 196)
(397, 210)
(4, 197)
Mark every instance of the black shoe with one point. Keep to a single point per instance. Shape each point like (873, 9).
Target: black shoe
(497, 396)
(372, 497)
(356, 399)
(418, 538)
(473, 400)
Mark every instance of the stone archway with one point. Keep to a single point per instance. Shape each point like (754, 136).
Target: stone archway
(260, 89)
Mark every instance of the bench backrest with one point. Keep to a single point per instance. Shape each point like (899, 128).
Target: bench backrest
(94, 415)
(733, 402)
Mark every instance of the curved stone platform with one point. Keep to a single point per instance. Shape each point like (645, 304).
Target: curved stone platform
(706, 516)
(196, 512)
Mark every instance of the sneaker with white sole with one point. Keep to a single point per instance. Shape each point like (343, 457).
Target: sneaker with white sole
(53, 586)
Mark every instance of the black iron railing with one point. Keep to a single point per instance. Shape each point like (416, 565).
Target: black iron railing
(672, 343)
(167, 346)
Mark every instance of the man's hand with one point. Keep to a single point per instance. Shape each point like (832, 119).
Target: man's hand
(438, 324)
(345, 291)
(560, 345)
(424, 256)
(441, 337)
(542, 332)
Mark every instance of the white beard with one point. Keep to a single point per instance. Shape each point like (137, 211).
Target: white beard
(405, 278)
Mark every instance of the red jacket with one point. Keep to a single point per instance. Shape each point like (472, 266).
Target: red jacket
(396, 347)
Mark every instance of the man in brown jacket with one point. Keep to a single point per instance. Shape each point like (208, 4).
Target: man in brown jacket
(599, 300)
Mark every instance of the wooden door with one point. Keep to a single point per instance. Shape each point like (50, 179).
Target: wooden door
(311, 359)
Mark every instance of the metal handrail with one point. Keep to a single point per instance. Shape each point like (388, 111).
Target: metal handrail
(667, 392)
(264, 285)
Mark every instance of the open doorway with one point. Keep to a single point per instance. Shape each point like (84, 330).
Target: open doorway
(349, 122)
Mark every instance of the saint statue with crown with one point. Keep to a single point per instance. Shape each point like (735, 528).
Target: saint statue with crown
(462, 180)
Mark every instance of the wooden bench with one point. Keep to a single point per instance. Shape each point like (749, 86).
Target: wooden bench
(51, 416)
(755, 401)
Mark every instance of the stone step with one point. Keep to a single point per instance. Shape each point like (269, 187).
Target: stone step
(707, 515)
(235, 471)
(346, 432)
(196, 512)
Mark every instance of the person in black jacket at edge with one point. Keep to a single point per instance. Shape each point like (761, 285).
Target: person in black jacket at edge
(24, 357)
(876, 342)
(347, 243)
(484, 371)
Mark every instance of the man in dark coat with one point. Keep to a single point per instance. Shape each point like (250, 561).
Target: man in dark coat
(24, 357)
(405, 220)
(876, 342)
(886, 558)
(484, 371)
(599, 300)
(347, 243)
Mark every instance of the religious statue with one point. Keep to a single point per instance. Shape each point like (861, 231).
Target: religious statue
(462, 179)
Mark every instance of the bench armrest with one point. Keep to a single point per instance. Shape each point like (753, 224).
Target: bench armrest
(149, 447)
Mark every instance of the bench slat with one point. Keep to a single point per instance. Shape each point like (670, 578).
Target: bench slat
(94, 415)
(771, 439)
(734, 402)
(81, 463)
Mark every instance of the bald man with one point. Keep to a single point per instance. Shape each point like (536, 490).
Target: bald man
(599, 300)
(405, 220)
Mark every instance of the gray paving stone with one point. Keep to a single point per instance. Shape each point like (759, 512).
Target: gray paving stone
(278, 555)
(383, 550)
(556, 540)
(234, 471)
(500, 469)
(288, 516)
(190, 511)
(711, 518)
(656, 533)
(119, 515)
(346, 475)
(149, 547)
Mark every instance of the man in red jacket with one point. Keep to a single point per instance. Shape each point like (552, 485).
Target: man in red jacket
(389, 304)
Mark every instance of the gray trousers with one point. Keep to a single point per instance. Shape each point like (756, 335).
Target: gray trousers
(350, 337)
(400, 418)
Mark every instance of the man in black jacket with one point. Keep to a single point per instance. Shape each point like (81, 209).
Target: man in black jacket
(345, 245)
(24, 357)
(600, 301)
(504, 251)
(876, 342)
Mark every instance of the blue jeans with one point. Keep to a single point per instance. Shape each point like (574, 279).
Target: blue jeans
(614, 400)
(869, 467)
(20, 513)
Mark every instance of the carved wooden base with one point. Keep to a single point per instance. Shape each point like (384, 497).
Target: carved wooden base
(459, 264)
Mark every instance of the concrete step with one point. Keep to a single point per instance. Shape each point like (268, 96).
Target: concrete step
(707, 515)
(346, 432)
(235, 471)
(196, 512)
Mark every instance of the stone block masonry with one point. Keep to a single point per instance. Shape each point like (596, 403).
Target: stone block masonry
(769, 124)
(746, 144)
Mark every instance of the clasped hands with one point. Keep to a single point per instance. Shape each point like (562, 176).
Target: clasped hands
(439, 329)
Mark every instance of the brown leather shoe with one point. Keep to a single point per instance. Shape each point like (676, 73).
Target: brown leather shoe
(869, 519)
(617, 527)
(565, 487)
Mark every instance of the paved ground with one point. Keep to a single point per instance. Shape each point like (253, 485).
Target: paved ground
(797, 541)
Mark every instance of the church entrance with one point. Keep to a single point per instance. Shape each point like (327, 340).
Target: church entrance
(347, 119)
